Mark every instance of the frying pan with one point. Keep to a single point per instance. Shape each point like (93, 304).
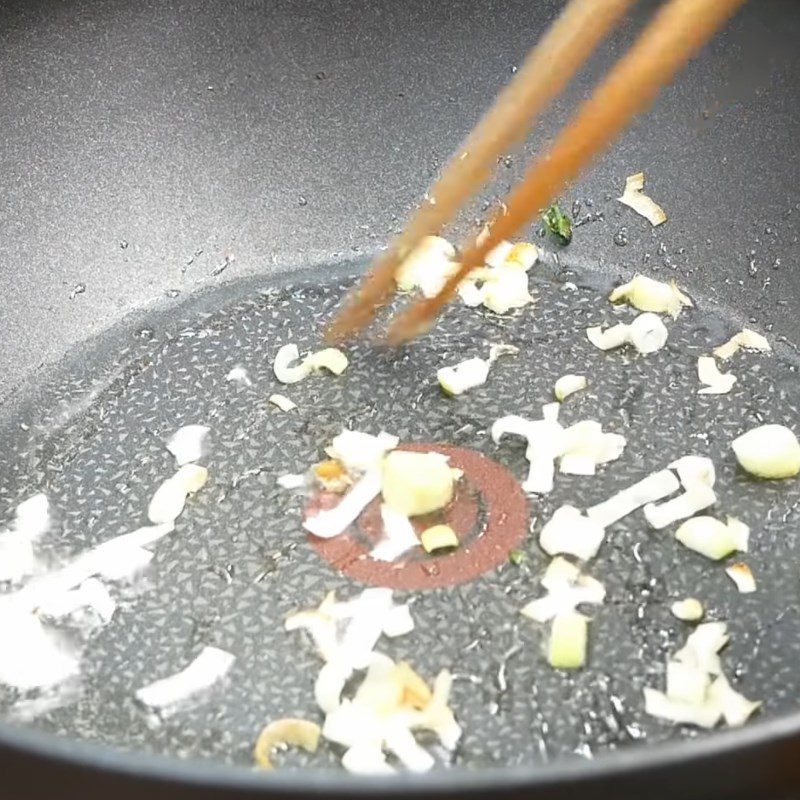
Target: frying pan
(188, 186)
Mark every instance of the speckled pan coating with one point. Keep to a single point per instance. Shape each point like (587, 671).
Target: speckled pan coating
(239, 562)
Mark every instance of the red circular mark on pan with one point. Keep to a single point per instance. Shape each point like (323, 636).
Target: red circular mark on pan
(489, 514)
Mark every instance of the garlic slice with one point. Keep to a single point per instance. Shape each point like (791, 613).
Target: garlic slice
(688, 610)
(642, 204)
(283, 732)
(648, 294)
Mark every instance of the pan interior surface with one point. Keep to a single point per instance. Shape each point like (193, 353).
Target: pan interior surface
(238, 562)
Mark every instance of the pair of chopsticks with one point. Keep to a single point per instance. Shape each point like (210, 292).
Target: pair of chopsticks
(677, 31)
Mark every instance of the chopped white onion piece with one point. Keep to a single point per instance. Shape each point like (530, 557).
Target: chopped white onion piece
(169, 499)
(647, 333)
(506, 288)
(647, 294)
(17, 558)
(398, 621)
(288, 372)
(742, 576)
(572, 464)
(769, 451)
(569, 635)
(714, 382)
(569, 384)
(689, 609)
(167, 502)
(366, 759)
(498, 255)
(399, 536)
(702, 646)
(239, 375)
(470, 294)
(499, 350)
(522, 254)
(608, 339)
(285, 357)
(33, 657)
(91, 594)
(292, 481)
(210, 666)
(417, 483)
(282, 402)
(401, 742)
(747, 339)
(740, 533)
(712, 538)
(586, 439)
(329, 523)
(330, 358)
(735, 708)
(567, 588)
(568, 531)
(32, 517)
(466, 375)
(686, 683)
(188, 443)
(428, 266)
(694, 470)
(545, 439)
(330, 683)
(642, 204)
(652, 488)
(359, 451)
(680, 507)
(657, 704)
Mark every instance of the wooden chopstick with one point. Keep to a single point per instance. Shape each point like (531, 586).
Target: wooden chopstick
(546, 71)
(677, 31)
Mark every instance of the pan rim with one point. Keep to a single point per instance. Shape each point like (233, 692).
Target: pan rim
(631, 762)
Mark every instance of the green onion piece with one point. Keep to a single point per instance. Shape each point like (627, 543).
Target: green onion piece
(568, 638)
(558, 224)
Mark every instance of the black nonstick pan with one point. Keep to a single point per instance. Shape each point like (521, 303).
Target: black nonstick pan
(186, 187)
